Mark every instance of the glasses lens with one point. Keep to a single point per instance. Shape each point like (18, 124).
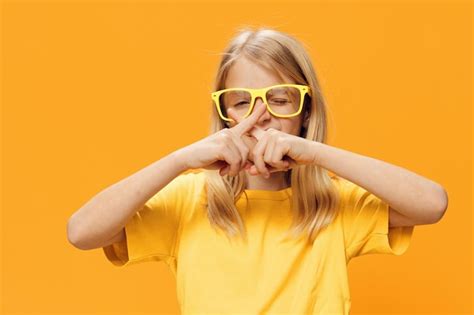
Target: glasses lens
(238, 100)
(282, 100)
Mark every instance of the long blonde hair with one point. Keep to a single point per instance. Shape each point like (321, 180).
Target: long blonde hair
(314, 196)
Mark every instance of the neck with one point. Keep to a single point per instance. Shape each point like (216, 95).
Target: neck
(276, 181)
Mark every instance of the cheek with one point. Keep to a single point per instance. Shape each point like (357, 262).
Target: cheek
(290, 126)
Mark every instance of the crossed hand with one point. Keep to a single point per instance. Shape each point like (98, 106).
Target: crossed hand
(268, 150)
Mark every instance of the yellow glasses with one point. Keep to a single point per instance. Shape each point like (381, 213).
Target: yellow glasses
(282, 100)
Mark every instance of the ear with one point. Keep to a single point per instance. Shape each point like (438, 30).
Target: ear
(306, 119)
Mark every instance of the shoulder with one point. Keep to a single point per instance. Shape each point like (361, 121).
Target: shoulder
(190, 183)
(182, 192)
(346, 188)
(191, 177)
(342, 185)
(354, 198)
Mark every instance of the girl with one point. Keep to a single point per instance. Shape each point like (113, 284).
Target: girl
(260, 226)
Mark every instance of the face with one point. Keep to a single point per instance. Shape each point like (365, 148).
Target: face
(246, 74)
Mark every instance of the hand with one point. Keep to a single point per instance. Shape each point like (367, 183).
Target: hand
(224, 150)
(278, 149)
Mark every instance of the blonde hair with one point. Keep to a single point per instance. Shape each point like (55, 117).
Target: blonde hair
(314, 196)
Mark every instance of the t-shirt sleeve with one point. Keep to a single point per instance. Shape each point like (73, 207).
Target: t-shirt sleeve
(366, 228)
(153, 231)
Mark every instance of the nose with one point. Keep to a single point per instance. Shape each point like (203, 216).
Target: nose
(266, 115)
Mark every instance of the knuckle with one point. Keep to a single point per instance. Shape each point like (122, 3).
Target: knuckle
(222, 138)
(222, 145)
(275, 161)
(232, 132)
(226, 136)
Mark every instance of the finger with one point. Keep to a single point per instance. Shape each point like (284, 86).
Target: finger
(258, 157)
(232, 157)
(291, 163)
(248, 124)
(250, 143)
(248, 165)
(237, 166)
(242, 150)
(272, 157)
(246, 146)
(226, 167)
(253, 169)
(217, 165)
(278, 166)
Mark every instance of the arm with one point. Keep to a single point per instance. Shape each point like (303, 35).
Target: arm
(102, 219)
(417, 200)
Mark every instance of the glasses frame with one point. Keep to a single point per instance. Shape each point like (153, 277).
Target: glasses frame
(304, 89)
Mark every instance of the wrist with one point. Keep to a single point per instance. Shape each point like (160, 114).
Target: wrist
(317, 147)
(179, 159)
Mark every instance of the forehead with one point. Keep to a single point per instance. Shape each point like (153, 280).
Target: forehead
(247, 74)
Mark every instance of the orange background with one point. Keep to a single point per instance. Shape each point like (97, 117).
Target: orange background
(88, 98)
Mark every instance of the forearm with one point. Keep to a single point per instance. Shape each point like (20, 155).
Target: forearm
(108, 212)
(408, 193)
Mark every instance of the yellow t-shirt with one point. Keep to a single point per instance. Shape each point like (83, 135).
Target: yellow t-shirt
(267, 274)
